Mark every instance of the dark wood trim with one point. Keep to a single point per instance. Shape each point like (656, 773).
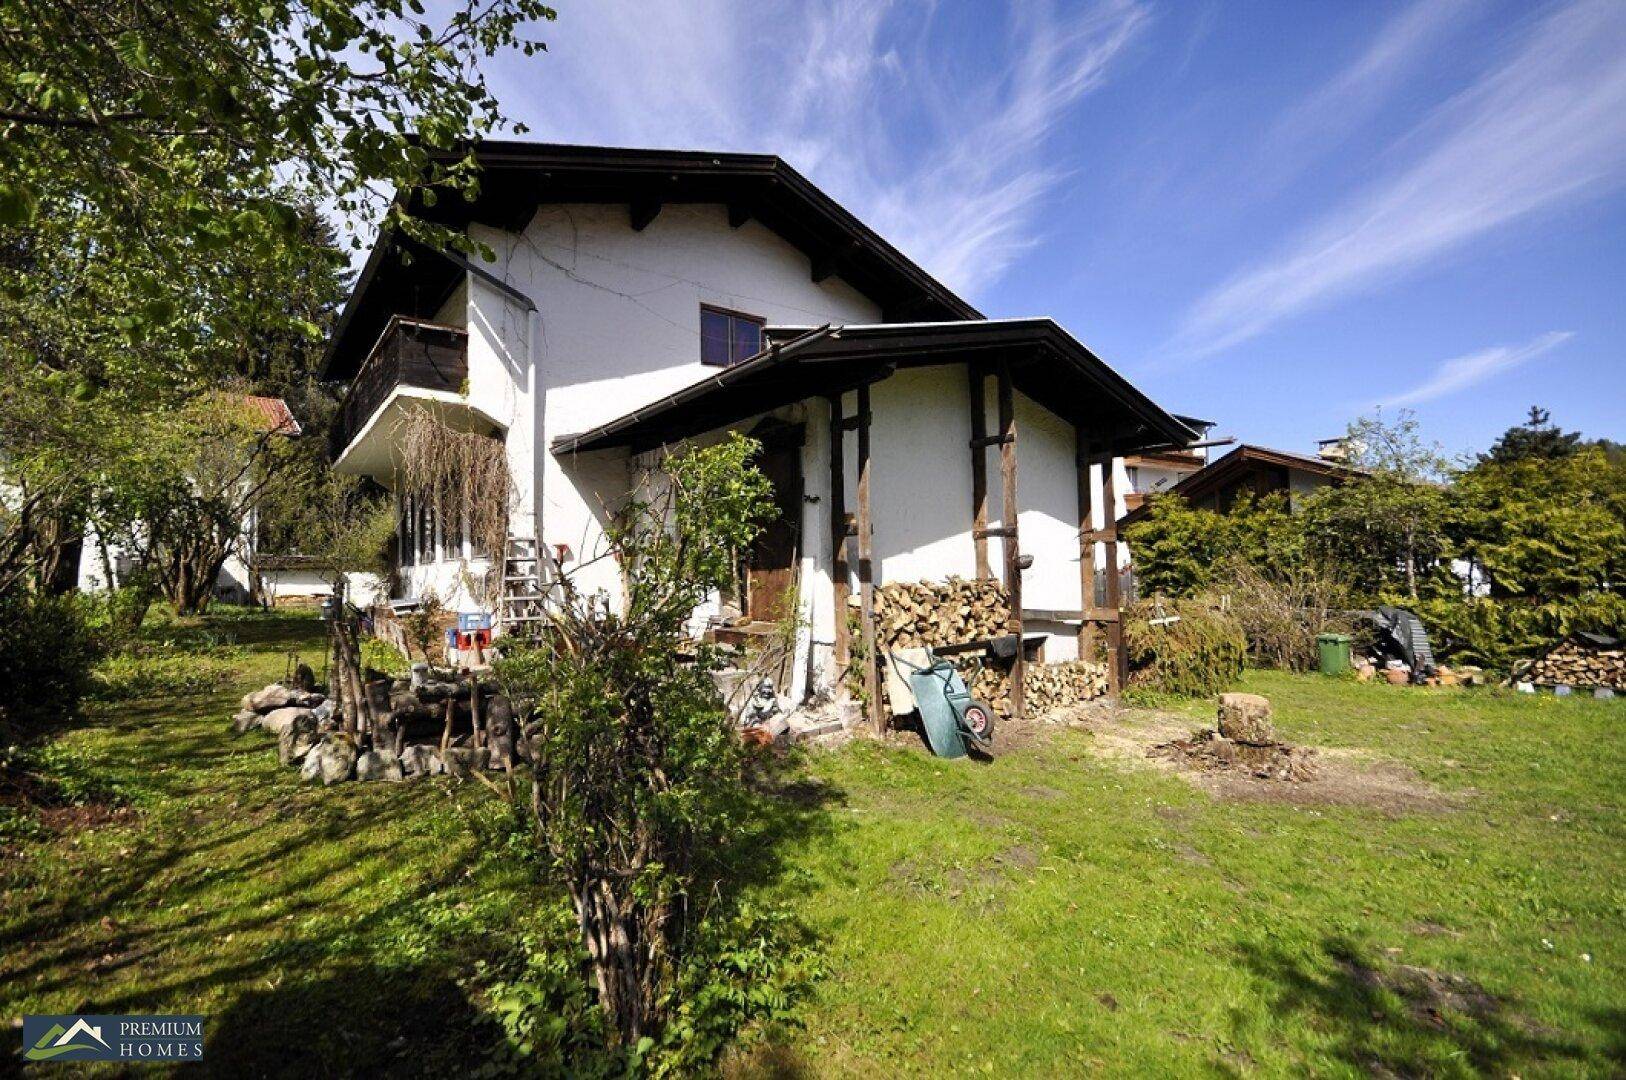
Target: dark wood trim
(1117, 663)
(866, 572)
(1006, 532)
(643, 211)
(1012, 543)
(1086, 545)
(979, 468)
(738, 214)
(839, 532)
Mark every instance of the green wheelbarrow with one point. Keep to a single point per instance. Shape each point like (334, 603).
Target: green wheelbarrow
(954, 720)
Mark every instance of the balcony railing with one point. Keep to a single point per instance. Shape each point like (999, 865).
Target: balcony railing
(428, 356)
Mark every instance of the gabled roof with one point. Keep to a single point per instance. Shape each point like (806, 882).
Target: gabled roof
(517, 177)
(1236, 465)
(1047, 364)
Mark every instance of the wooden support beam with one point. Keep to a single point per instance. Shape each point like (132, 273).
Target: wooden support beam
(838, 536)
(1012, 544)
(738, 215)
(1118, 663)
(980, 441)
(1007, 532)
(827, 264)
(1086, 545)
(643, 212)
(979, 469)
(866, 572)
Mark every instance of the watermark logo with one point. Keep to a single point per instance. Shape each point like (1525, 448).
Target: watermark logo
(113, 1038)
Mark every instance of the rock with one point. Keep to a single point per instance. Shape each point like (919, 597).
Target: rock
(1471, 676)
(338, 755)
(310, 770)
(379, 765)
(462, 760)
(1365, 672)
(246, 720)
(305, 699)
(278, 719)
(1245, 718)
(420, 761)
(275, 696)
(296, 739)
(1397, 676)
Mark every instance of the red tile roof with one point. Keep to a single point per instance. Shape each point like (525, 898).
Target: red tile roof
(275, 414)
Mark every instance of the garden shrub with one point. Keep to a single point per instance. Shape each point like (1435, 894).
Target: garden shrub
(47, 649)
(1198, 654)
(1497, 633)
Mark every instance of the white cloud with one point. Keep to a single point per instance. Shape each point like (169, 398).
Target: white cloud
(1462, 372)
(1544, 127)
(945, 158)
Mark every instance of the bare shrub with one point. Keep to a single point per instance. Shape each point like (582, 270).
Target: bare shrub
(1282, 611)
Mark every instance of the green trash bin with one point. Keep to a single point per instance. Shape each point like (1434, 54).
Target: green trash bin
(1334, 653)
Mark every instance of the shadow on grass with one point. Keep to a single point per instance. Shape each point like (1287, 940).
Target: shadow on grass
(351, 1020)
(1390, 1019)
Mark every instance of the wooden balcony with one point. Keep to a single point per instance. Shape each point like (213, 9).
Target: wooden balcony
(409, 353)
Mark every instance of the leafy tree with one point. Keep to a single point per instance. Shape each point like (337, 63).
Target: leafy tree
(638, 771)
(1537, 438)
(1383, 531)
(156, 195)
(1544, 527)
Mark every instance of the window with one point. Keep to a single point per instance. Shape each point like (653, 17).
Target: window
(727, 337)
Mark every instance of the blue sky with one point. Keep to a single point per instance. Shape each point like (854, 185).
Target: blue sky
(1277, 216)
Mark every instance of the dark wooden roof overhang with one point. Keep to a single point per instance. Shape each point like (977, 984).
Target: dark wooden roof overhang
(1236, 466)
(518, 177)
(1046, 363)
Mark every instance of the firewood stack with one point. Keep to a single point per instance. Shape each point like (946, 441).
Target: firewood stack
(1051, 686)
(936, 614)
(1583, 660)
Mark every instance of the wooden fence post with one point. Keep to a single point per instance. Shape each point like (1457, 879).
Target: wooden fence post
(866, 572)
(1011, 543)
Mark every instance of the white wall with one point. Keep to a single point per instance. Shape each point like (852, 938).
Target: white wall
(618, 326)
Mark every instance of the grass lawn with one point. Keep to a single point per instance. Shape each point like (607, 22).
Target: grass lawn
(1054, 911)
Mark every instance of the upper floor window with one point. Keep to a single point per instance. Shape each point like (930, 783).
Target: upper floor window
(727, 337)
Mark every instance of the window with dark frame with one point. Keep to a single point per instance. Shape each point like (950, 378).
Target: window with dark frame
(727, 337)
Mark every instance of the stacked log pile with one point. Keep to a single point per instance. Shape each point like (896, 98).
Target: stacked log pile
(1051, 686)
(934, 614)
(938, 613)
(1583, 660)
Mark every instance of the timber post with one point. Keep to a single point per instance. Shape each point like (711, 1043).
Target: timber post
(1118, 666)
(1011, 543)
(866, 575)
(979, 467)
(838, 535)
(1086, 548)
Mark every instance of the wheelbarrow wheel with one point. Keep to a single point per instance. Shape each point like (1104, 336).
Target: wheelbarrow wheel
(979, 721)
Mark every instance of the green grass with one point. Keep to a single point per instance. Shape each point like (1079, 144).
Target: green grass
(1051, 912)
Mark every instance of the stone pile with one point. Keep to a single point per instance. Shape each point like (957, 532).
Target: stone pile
(410, 712)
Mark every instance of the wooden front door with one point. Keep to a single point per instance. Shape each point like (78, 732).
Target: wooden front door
(774, 557)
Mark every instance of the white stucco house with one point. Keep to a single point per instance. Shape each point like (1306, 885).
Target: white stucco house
(640, 298)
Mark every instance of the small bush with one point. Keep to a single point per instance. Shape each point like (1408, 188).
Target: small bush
(47, 649)
(1198, 654)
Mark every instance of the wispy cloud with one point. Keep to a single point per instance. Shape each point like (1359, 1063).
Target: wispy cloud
(944, 152)
(1462, 372)
(1544, 127)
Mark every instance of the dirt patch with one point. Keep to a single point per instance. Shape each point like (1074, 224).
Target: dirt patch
(1342, 777)
(1210, 751)
(1428, 994)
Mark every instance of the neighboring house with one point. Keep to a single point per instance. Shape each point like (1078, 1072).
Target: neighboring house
(1255, 471)
(304, 581)
(103, 566)
(641, 298)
